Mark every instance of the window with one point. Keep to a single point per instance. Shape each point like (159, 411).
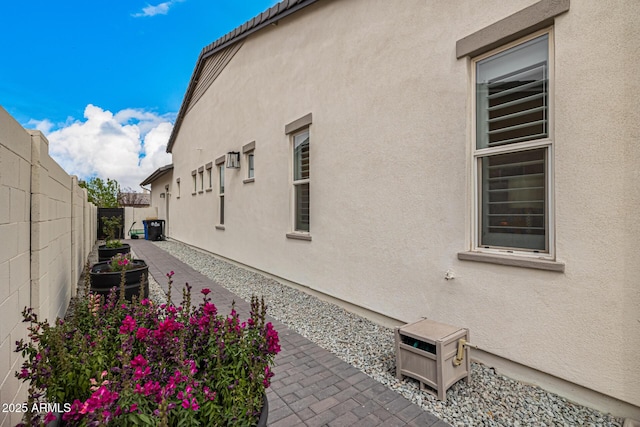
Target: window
(221, 192)
(250, 170)
(201, 177)
(209, 167)
(513, 147)
(178, 187)
(248, 150)
(301, 180)
(195, 181)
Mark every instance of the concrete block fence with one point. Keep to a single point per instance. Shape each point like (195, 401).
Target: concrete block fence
(47, 229)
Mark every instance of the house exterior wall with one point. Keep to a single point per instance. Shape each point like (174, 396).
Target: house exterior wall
(47, 229)
(157, 188)
(391, 192)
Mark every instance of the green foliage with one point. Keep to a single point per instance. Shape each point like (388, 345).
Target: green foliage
(103, 194)
(112, 228)
(129, 364)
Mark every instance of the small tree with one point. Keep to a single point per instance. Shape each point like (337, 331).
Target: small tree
(112, 227)
(103, 194)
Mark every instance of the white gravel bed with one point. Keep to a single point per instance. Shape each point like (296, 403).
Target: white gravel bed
(489, 399)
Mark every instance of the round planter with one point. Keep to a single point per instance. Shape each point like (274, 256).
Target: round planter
(105, 253)
(103, 279)
(262, 421)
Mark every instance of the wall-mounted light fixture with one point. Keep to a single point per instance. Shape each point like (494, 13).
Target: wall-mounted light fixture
(233, 160)
(162, 195)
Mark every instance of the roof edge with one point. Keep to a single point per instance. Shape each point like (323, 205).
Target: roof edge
(258, 22)
(157, 174)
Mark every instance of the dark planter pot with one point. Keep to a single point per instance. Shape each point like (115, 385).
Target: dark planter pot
(262, 421)
(105, 253)
(103, 279)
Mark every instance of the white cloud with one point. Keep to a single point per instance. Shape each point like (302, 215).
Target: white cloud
(127, 146)
(159, 9)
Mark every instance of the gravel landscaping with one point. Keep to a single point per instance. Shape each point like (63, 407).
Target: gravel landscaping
(489, 399)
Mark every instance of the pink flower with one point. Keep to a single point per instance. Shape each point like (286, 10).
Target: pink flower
(133, 407)
(49, 417)
(128, 325)
(206, 291)
(139, 360)
(142, 333)
(209, 309)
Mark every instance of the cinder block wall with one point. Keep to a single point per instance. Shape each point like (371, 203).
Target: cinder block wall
(47, 229)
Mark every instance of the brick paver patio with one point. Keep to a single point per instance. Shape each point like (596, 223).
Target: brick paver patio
(312, 386)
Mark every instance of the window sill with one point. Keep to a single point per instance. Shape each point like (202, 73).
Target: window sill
(220, 227)
(299, 236)
(178, 197)
(536, 263)
(194, 193)
(201, 191)
(209, 190)
(248, 180)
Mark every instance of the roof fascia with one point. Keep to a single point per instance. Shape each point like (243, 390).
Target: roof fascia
(266, 18)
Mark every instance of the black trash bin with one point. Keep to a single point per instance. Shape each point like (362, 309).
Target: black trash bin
(155, 229)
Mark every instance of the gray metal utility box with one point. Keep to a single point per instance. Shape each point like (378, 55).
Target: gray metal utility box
(427, 351)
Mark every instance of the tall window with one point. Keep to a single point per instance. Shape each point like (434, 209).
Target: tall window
(301, 180)
(513, 147)
(250, 170)
(221, 192)
(209, 167)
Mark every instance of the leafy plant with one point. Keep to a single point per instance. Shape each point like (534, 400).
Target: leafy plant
(138, 363)
(121, 262)
(112, 227)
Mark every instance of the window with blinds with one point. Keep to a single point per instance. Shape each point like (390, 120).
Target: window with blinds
(512, 109)
(301, 181)
(514, 200)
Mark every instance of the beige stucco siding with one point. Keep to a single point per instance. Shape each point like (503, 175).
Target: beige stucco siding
(391, 192)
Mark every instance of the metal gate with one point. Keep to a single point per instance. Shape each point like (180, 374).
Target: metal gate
(108, 213)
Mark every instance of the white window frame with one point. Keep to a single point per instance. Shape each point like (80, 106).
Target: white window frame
(546, 143)
(251, 174)
(295, 183)
(209, 167)
(249, 157)
(221, 185)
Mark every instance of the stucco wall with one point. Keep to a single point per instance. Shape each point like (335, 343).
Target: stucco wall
(391, 177)
(158, 188)
(47, 229)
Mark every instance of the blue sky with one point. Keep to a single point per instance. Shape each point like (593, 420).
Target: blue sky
(99, 77)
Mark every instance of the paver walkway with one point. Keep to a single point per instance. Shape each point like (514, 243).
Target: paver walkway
(311, 386)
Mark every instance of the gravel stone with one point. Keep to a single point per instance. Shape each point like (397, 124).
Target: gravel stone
(490, 399)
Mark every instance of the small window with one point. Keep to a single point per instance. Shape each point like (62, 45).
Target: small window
(209, 167)
(201, 178)
(248, 151)
(250, 169)
(512, 152)
(221, 193)
(195, 181)
(301, 195)
(178, 188)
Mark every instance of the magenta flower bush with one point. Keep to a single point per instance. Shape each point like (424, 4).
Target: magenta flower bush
(139, 363)
(120, 262)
